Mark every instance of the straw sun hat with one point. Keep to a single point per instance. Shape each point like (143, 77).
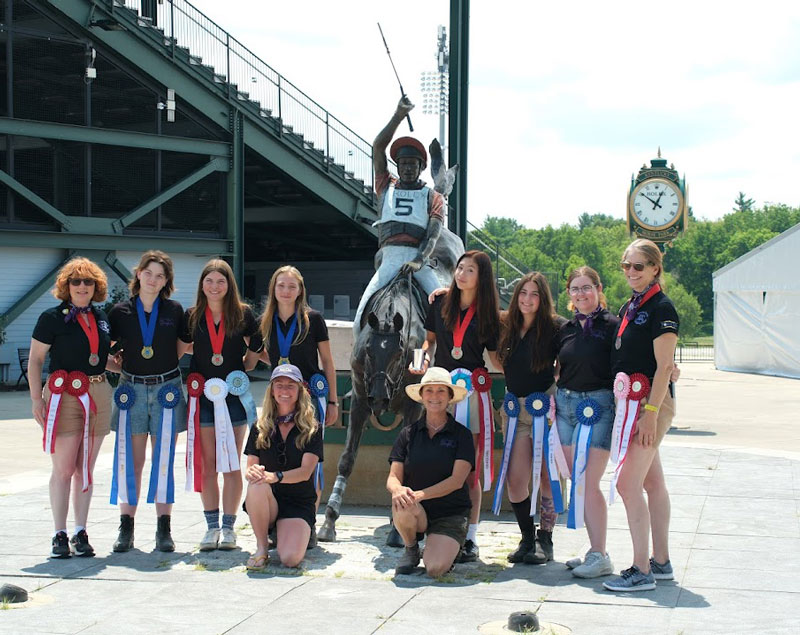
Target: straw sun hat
(436, 376)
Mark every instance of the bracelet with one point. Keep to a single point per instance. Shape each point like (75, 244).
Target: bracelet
(651, 408)
(333, 403)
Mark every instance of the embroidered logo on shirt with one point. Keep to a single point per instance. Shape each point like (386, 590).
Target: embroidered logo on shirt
(103, 326)
(447, 443)
(669, 324)
(641, 317)
(166, 321)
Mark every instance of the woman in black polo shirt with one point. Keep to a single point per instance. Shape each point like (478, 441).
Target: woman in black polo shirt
(461, 324)
(225, 338)
(527, 351)
(645, 343)
(76, 334)
(282, 451)
(147, 329)
(585, 344)
(430, 462)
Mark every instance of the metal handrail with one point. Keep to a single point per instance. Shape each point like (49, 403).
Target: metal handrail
(244, 76)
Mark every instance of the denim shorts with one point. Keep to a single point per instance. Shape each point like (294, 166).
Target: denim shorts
(145, 416)
(235, 409)
(566, 404)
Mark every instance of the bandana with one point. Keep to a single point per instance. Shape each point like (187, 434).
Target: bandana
(636, 301)
(588, 325)
(72, 314)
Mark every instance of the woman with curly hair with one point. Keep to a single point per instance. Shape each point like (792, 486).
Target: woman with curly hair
(282, 451)
(74, 409)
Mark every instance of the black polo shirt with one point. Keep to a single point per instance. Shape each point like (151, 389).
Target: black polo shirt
(126, 331)
(303, 491)
(585, 359)
(654, 318)
(472, 346)
(233, 346)
(69, 346)
(304, 354)
(521, 379)
(429, 461)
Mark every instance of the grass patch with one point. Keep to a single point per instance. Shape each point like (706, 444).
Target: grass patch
(200, 566)
(5, 605)
(162, 564)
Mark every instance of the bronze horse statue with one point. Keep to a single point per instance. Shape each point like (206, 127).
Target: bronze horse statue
(393, 328)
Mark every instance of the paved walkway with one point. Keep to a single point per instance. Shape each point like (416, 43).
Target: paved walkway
(733, 468)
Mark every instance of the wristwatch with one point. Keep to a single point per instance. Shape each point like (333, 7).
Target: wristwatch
(279, 476)
(333, 403)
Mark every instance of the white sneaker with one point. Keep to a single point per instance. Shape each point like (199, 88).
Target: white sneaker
(576, 562)
(228, 539)
(595, 565)
(210, 540)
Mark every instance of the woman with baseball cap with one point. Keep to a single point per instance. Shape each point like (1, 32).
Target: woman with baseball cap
(430, 462)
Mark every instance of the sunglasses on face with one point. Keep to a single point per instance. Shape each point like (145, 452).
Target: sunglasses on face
(584, 289)
(638, 266)
(76, 282)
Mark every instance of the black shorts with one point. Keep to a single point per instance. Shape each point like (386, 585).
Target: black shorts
(454, 527)
(291, 508)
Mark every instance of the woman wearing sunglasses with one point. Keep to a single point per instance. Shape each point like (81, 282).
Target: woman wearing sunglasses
(645, 343)
(74, 410)
(282, 451)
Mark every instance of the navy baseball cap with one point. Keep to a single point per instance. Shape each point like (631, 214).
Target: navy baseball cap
(287, 370)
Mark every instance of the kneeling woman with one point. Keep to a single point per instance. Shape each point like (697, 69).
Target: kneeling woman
(430, 462)
(283, 450)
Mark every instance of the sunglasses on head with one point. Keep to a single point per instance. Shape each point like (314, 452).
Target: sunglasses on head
(638, 266)
(76, 282)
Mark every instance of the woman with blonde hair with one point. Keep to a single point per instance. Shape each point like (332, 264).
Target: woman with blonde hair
(227, 342)
(283, 451)
(74, 409)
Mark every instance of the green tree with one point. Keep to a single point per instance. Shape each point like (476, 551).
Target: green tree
(686, 305)
(743, 204)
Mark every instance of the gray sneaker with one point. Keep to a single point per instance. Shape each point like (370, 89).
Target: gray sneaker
(631, 580)
(576, 562)
(409, 560)
(595, 565)
(661, 571)
(228, 539)
(210, 540)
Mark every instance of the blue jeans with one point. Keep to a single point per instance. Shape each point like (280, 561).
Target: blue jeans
(145, 416)
(567, 420)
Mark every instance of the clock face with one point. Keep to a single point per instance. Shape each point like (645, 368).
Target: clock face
(656, 203)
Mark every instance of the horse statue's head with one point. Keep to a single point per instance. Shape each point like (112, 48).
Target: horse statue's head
(385, 361)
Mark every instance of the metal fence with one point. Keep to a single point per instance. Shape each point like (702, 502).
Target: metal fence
(693, 352)
(238, 69)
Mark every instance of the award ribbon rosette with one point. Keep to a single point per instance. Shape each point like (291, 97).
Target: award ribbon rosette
(587, 412)
(78, 387)
(319, 389)
(285, 341)
(194, 458)
(482, 384)
(462, 377)
(215, 391)
(162, 476)
(629, 391)
(239, 386)
(511, 408)
(57, 383)
(538, 405)
(123, 479)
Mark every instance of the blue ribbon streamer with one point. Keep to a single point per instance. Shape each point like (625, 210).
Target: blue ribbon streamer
(239, 386)
(130, 476)
(318, 386)
(285, 341)
(148, 329)
(166, 404)
(555, 483)
(511, 408)
(587, 413)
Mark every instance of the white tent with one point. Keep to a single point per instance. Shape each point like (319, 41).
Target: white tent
(757, 309)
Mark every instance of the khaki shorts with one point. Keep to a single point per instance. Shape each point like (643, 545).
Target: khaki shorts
(454, 527)
(666, 413)
(70, 414)
(524, 420)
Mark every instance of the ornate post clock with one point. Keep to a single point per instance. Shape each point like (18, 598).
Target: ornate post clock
(657, 207)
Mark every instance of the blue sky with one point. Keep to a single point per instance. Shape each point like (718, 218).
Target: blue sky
(566, 99)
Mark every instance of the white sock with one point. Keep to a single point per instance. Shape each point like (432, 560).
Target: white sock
(58, 532)
(77, 529)
(472, 532)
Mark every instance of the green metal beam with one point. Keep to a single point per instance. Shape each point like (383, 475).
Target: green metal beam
(112, 137)
(116, 265)
(61, 218)
(70, 240)
(162, 197)
(33, 294)
(235, 194)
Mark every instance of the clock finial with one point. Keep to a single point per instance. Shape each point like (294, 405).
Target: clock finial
(659, 152)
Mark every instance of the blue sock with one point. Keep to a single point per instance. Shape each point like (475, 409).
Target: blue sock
(212, 518)
(228, 520)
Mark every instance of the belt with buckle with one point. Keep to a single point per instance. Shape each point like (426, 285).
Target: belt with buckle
(150, 380)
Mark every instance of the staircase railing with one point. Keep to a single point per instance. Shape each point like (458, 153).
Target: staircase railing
(245, 76)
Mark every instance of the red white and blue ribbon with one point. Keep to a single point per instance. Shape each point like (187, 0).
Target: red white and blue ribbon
(239, 386)
(555, 461)
(57, 383)
(319, 389)
(215, 391)
(123, 478)
(587, 412)
(194, 457)
(511, 408)
(639, 389)
(162, 476)
(538, 405)
(482, 384)
(78, 387)
(462, 377)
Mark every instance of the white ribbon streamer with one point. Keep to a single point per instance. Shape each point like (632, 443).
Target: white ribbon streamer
(50, 426)
(165, 441)
(122, 458)
(511, 430)
(539, 425)
(579, 475)
(190, 432)
(227, 457)
(556, 459)
(627, 430)
(87, 477)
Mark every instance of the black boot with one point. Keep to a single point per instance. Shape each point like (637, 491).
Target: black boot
(544, 548)
(522, 511)
(124, 541)
(163, 536)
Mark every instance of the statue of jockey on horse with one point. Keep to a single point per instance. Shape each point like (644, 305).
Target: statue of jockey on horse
(411, 214)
